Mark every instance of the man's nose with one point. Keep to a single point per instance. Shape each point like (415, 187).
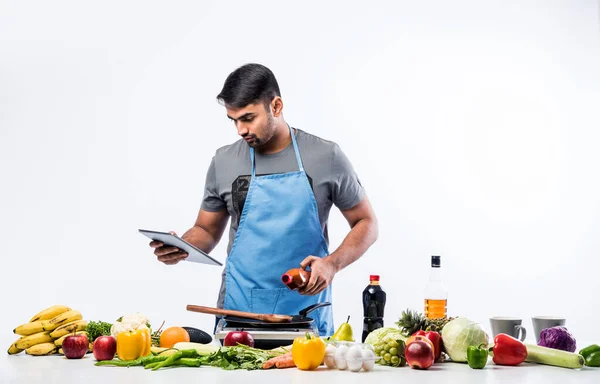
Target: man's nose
(241, 128)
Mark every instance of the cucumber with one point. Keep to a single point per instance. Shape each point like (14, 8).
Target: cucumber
(551, 356)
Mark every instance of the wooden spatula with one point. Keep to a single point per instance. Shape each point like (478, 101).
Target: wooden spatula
(248, 315)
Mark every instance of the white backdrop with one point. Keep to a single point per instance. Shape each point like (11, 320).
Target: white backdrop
(473, 125)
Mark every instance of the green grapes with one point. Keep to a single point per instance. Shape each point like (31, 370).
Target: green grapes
(390, 352)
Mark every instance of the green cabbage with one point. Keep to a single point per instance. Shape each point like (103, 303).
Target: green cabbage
(459, 334)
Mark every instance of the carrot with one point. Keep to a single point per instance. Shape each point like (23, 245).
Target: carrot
(281, 361)
(288, 362)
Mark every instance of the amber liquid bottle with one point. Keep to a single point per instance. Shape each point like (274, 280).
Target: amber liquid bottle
(295, 278)
(436, 296)
(373, 305)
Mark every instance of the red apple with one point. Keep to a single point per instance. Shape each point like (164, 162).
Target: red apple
(419, 354)
(414, 338)
(75, 346)
(105, 348)
(234, 337)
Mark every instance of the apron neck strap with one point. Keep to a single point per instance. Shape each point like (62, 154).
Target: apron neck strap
(296, 150)
(252, 160)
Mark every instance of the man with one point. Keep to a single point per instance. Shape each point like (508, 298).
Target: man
(277, 184)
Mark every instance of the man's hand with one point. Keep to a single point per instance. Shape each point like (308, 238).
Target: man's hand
(321, 275)
(168, 254)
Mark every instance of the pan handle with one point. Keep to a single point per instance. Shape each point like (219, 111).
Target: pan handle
(311, 308)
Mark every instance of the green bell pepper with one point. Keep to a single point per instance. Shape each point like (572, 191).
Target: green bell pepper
(585, 352)
(477, 357)
(593, 359)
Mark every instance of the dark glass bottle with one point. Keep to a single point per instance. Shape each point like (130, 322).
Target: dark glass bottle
(373, 305)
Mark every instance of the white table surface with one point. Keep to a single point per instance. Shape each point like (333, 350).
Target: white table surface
(23, 368)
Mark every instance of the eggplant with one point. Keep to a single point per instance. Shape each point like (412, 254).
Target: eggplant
(198, 335)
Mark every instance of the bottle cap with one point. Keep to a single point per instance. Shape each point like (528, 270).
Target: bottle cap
(436, 261)
(374, 277)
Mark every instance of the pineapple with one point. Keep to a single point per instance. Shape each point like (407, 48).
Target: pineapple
(413, 321)
(437, 324)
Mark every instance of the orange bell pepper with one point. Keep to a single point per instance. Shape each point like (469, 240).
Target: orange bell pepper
(308, 353)
(133, 344)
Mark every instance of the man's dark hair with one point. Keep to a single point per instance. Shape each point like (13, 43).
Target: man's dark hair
(249, 84)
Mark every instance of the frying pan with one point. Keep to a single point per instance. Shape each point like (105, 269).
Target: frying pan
(259, 320)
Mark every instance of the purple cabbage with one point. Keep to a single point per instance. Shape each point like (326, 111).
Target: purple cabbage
(558, 338)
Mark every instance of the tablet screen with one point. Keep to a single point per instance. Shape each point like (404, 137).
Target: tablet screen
(195, 254)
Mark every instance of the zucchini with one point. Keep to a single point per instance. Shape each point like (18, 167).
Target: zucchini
(555, 357)
(163, 351)
(201, 349)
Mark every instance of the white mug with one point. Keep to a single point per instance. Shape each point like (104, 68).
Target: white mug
(542, 322)
(508, 325)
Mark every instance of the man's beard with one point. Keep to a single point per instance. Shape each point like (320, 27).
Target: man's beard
(257, 142)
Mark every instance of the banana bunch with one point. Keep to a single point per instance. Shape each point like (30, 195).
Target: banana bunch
(45, 332)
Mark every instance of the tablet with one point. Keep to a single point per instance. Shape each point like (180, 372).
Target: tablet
(194, 254)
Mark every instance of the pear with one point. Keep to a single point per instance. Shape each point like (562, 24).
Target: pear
(343, 333)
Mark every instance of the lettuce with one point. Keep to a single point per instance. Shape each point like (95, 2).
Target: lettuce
(384, 334)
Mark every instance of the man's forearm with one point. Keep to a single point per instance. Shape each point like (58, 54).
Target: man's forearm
(359, 239)
(200, 238)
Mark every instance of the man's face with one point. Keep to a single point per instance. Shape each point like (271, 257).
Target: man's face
(253, 123)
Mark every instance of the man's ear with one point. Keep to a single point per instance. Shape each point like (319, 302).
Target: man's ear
(276, 106)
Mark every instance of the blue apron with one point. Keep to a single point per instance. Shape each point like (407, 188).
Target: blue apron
(279, 227)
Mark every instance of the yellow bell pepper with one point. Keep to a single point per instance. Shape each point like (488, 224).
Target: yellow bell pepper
(133, 344)
(308, 352)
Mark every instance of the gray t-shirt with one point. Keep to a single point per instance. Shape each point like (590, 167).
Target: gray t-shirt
(329, 171)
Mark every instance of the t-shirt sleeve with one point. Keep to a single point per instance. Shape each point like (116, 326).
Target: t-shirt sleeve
(212, 200)
(347, 190)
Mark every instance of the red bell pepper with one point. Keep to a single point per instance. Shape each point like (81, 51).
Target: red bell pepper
(508, 350)
(435, 338)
